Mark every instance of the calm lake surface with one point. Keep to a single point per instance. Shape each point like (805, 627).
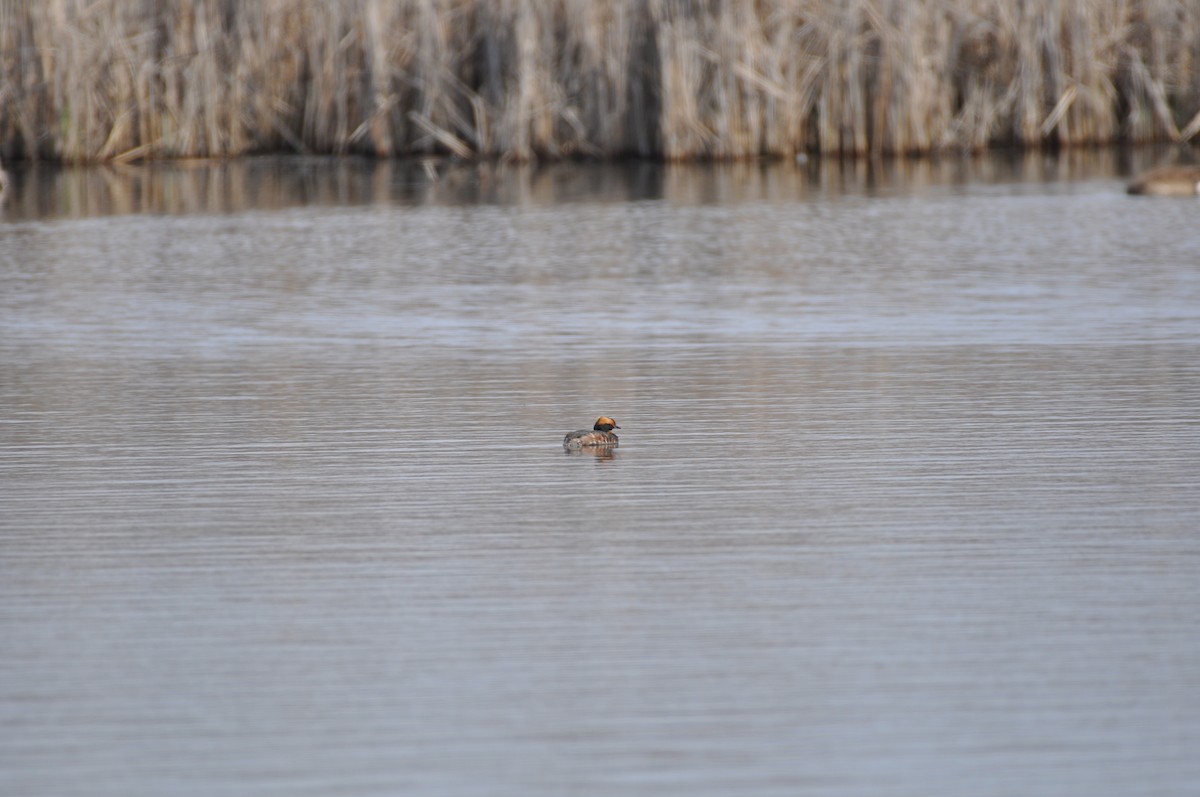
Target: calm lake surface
(907, 500)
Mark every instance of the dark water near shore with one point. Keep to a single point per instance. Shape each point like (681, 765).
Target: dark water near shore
(907, 498)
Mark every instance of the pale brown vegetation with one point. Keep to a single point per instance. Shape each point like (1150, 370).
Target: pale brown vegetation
(85, 80)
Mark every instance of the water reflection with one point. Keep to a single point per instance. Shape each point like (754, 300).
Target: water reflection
(43, 191)
(606, 453)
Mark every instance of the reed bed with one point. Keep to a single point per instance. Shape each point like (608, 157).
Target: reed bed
(113, 80)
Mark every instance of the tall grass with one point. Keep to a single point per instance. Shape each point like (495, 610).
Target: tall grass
(88, 80)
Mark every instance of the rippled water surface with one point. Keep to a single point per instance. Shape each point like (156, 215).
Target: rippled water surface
(906, 503)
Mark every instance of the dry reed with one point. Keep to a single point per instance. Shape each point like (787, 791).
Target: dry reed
(84, 80)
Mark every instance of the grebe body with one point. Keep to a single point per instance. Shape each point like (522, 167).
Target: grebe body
(1168, 181)
(600, 434)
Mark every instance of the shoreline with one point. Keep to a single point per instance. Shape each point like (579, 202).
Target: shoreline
(277, 182)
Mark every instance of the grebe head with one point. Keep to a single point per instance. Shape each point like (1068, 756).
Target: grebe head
(605, 424)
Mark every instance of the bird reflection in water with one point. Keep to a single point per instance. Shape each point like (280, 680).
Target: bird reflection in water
(602, 453)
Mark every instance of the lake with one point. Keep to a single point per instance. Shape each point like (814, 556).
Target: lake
(907, 499)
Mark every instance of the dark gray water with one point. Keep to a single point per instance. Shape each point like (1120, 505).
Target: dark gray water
(907, 498)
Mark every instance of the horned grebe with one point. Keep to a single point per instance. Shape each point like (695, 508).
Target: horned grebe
(599, 435)
(1168, 181)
